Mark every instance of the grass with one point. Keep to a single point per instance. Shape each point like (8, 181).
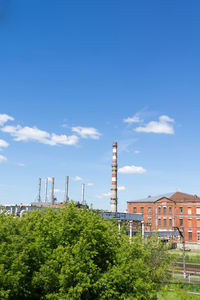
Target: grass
(180, 292)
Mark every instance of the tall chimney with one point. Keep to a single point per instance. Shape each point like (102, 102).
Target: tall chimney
(83, 194)
(66, 189)
(113, 200)
(39, 190)
(46, 189)
(52, 191)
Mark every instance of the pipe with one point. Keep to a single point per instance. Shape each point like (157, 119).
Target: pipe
(66, 189)
(52, 190)
(83, 194)
(39, 190)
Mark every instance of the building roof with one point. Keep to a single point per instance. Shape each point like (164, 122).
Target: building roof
(177, 197)
(154, 198)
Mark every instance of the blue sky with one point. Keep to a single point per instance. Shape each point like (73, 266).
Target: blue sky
(77, 75)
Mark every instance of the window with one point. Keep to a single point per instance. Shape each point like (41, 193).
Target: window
(149, 210)
(189, 211)
(134, 210)
(198, 211)
(189, 223)
(181, 222)
(198, 223)
(159, 222)
(170, 210)
(198, 237)
(149, 221)
(142, 210)
(164, 222)
(159, 210)
(164, 210)
(190, 236)
(170, 222)
(180, 210)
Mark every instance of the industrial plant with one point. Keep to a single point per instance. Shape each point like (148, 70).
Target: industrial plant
(167, 214)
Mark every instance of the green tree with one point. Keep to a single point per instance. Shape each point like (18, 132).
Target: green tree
(75, 254)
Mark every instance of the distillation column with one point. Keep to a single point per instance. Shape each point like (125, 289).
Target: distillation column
(113, 200)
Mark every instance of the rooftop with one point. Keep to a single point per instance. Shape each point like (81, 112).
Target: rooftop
(176, 196)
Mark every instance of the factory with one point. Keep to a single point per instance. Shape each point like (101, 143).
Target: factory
(134, 221)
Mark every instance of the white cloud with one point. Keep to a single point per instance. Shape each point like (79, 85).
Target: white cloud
(134, 119)
(64, 140)
(137, 151)
(77, 178)
(20, 164)
(90, 184)
(109, 194)
(162, 126)
(59, 191)
(104, 195)
(5, 118)
(3, 144)
(87, 132)
(121, 188)
(132, 170)
(2, 159)
(33, 133)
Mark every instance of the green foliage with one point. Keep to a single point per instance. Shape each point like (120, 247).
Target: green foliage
(75, 254)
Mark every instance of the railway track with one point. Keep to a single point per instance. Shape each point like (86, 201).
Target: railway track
(189, 268)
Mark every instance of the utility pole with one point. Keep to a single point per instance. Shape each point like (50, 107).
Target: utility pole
(182, 236)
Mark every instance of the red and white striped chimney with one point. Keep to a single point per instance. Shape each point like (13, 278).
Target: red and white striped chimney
(113, 200)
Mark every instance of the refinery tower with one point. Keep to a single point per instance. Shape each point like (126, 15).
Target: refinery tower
(113, 200)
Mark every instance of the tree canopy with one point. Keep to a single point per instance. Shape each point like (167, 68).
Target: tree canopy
(75, 254)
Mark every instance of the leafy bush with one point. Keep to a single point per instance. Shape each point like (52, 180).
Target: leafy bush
(75, 254)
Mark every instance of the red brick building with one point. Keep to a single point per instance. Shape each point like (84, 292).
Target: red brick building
(165, 212)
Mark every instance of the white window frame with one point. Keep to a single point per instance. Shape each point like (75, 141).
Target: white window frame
(198, 210)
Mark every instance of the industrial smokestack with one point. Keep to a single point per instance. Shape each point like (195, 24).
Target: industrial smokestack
(52, 190)
(113, 200)
(39, 190)
(83, 194)
(66, 189)
(46, 190)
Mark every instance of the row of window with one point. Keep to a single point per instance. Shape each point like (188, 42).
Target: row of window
(190, 236)
(165, 210)
(170, 222)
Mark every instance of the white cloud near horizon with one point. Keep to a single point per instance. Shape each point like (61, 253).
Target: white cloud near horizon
(90, 184)
(121, 188)
(59, 191)
(109, 194)
(77, 178)
(4, 118)
(2, 159)
(87, 132)
(33, 133)
(132, 170)
(104, 195)
(163, 126)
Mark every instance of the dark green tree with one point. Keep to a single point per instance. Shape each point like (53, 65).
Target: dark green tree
(75, 254)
